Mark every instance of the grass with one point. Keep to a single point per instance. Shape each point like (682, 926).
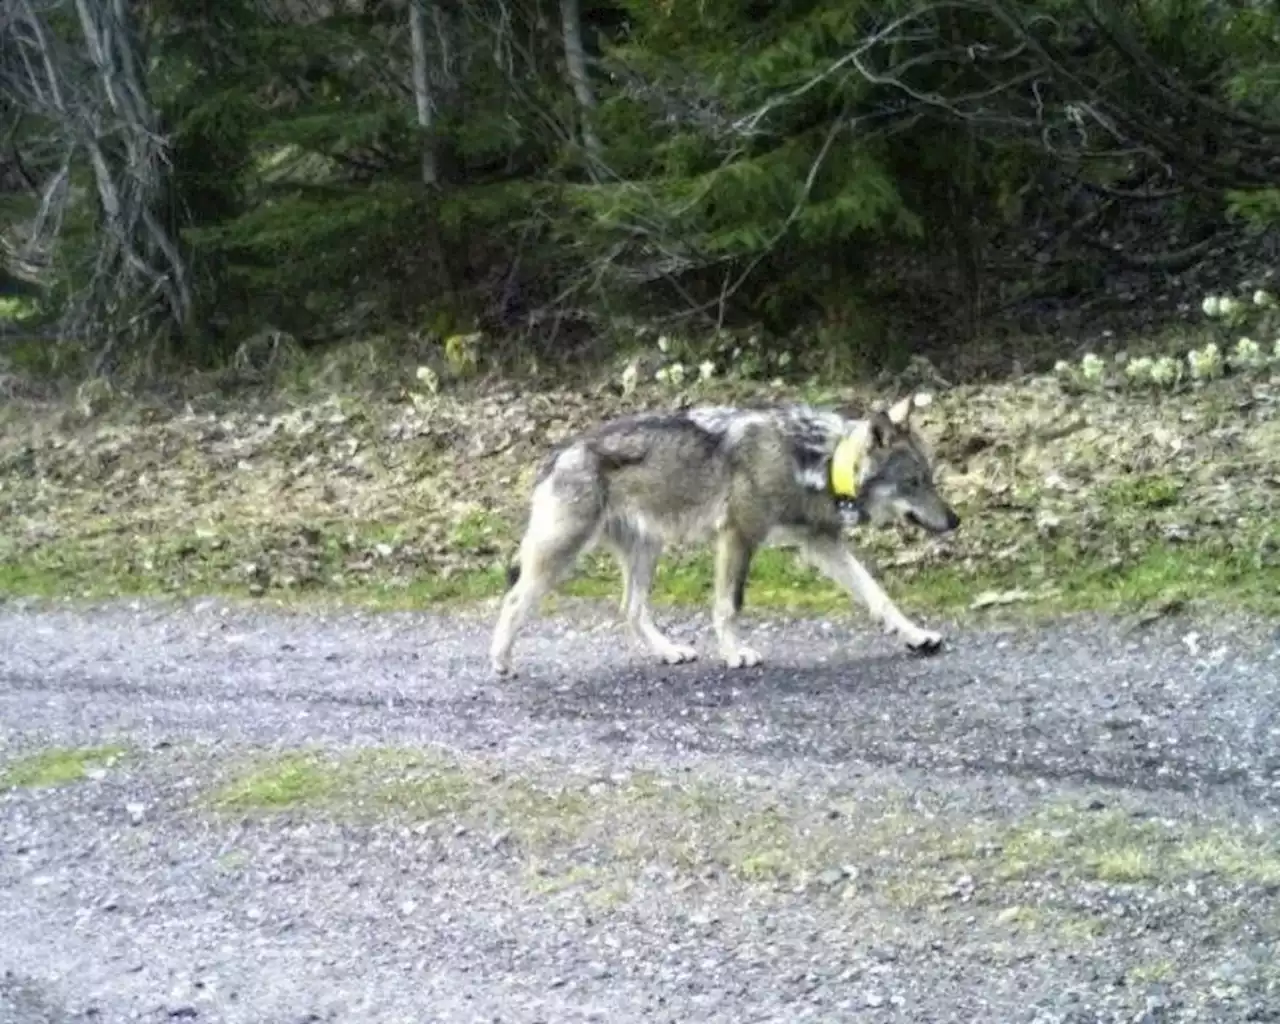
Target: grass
(1054, 579)
(56, 766)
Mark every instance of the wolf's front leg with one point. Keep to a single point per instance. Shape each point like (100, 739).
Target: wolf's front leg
(835, 561)
(733, 562)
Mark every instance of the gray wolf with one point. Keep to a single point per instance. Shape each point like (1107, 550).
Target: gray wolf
(788, 474)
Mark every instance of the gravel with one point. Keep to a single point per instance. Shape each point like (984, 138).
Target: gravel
(128, 895)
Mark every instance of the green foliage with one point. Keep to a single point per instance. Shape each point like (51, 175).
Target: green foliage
(750, 163)
(14, 309)
(1260, 207)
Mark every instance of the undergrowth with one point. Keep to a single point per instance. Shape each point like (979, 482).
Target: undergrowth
(407, 495)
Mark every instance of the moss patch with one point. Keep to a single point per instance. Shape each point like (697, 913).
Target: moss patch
(422, 785)
(56, 766)
(293, 780)
(602, 838)
(1117, 847)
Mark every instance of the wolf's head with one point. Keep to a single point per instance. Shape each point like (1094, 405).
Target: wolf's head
(895, 474)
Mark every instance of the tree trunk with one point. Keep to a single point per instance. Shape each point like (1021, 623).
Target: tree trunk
(422, 90)
(575, 57)
(139, 257)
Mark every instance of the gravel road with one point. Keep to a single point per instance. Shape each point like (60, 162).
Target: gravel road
(1066, 824)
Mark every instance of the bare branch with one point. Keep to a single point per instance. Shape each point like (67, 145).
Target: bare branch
(575, 58)
(138, 277)
(422, 89)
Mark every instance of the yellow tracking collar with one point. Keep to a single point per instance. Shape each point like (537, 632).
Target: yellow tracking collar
(844, 467)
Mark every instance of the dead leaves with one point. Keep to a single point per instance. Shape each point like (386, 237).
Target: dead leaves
(345, 487)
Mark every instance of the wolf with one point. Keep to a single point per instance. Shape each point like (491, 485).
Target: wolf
(788, 474)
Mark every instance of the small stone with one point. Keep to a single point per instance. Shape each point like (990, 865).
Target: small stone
(136, 812)
(874, 1000)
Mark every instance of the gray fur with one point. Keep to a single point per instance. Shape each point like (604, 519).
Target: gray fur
(747, 477)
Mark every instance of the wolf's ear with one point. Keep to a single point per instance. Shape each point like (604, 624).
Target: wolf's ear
(880, 429)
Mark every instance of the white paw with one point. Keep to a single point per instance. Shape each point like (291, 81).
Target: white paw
(675, 654)
(741, 656)
(923, 641)
(502, 668)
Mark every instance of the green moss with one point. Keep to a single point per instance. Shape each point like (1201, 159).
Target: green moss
(601, 837)
(56, 766)
(421, 785)
(1113, 846)
(294, 780)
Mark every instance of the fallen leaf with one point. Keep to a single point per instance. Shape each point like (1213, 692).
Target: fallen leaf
(990, 598)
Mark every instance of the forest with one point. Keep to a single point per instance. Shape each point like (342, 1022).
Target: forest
(867, 179)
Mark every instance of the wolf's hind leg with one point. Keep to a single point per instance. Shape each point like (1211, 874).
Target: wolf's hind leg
(558, 533)
(638, 555)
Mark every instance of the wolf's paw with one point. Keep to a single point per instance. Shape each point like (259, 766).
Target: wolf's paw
(502, 668)
(923, 641)
(741, 656)
(676, 654)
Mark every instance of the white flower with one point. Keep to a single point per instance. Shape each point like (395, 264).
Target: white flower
(1062, 368)
(1263, 298)
(1205, 363)
(629, 376)
(706, 370)
(663, 374)
(1139, 369)
(677, 373)
(1228, 306)
(1212, 306)
(1166, 371)
(1093, 367)
(1246, 353)
(664, 344)
(427, 377)
(783, 359)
